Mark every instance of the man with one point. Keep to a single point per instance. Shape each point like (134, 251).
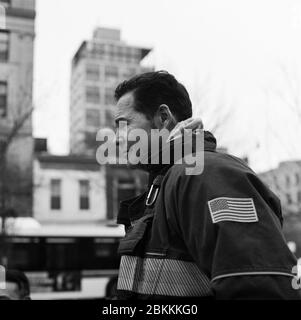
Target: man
(211, 235)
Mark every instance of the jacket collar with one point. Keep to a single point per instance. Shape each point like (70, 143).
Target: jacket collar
(130, 209)
(154, 170)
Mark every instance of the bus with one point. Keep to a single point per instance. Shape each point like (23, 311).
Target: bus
(66, 262)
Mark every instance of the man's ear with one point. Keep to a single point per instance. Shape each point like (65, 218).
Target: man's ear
(164, 118)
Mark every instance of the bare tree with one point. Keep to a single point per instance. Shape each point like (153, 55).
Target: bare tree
(12, 184)
(218, 114)
(291, 92)
(9, 175)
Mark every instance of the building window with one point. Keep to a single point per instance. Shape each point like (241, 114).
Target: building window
(98, 50)
(123, 188)
(90, 140)
(4, 45)
(92, 118)
(92, 72)
(130, 55)
(297, 179)
(111, 51)
(55, 201)
(119, 53)
(111, 73)
(84, 190)
(288, 181)
(109, 96)
(109, 120)
(3, 99)
(289, 198)
(126, 189)
(92, 95)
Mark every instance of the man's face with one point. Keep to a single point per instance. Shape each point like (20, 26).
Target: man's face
(126, 113)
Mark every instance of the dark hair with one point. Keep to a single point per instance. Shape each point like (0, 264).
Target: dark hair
(151, 89)
(20, 279)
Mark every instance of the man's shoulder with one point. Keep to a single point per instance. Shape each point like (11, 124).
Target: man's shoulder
(214, 163)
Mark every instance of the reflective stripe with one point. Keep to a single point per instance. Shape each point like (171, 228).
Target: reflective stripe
(155, 254)
(255, 273)
(165, 277)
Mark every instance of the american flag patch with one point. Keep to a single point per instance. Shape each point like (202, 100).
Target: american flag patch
(233, 209)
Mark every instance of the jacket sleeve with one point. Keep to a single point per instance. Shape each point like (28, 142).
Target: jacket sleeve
(231, 224)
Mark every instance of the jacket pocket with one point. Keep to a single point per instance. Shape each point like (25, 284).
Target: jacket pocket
(136, 236)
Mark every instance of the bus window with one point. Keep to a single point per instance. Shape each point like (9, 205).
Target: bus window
(62, 254)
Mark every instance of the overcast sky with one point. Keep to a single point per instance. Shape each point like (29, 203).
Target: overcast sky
(240, 61)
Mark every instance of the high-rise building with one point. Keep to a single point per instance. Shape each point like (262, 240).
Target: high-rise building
(97, 67)
(16, 78)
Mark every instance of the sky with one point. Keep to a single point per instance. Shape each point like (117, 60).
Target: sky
(240, 61)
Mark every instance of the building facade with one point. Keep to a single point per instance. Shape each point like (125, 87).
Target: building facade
(16, 79)
(122, 183)
(285, 182)
(76, 189)
(97, 67)
(69, 189)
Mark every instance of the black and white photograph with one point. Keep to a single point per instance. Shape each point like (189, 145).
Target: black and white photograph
(150, 151)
